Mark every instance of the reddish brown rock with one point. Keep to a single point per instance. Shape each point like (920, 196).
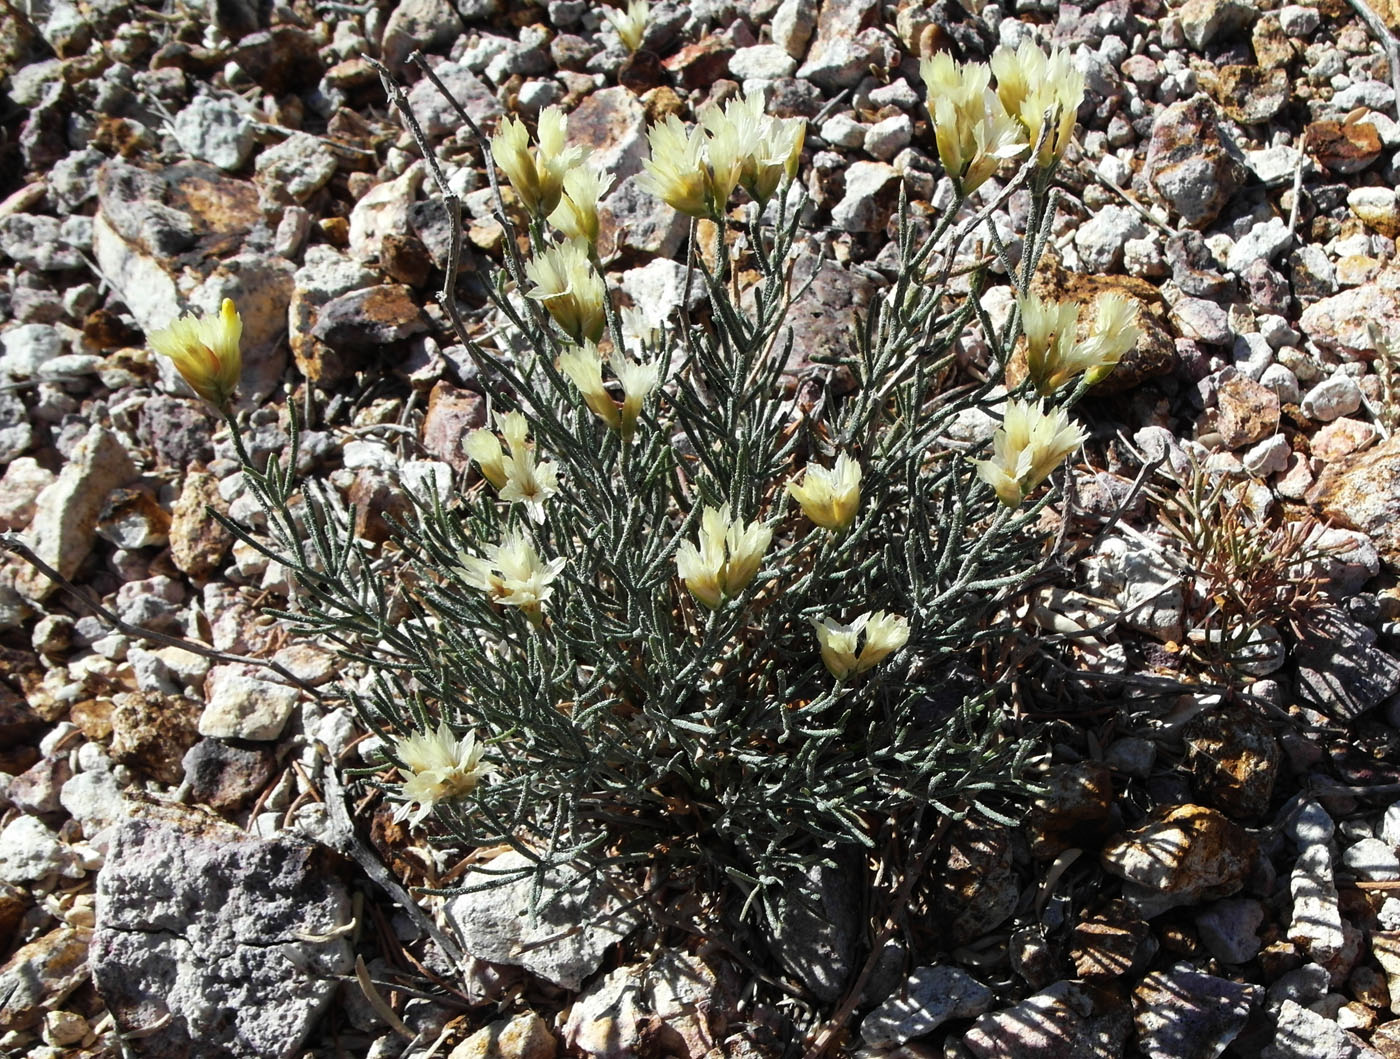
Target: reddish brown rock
(1110, 943)
(198, 543)
(150, 733)
(1234, 759)
(975, 888)
(701, 64)
(1362, 492)
(1246, 412)
(41, 974)
(1182, 854)
(1188, 164)
(452, 415)
(1073, 811)
(366, 320)
(1343, 147)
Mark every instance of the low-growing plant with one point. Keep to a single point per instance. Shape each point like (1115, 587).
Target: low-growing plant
(691, 616)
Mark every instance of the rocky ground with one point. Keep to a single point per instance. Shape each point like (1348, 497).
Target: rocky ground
(1211, 871)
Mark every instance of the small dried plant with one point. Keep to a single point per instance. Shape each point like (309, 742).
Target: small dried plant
(1255, 577)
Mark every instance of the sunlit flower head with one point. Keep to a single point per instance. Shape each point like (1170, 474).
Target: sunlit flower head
(485, 449)
(1114, 333)
(972, 129)
(767, 149)
(527, 482)
(630, 25)
(1030, 444)
(205, 352)
(830, 498)
(537, 174)
(1051, 330)
(577, 213)
(584, 367)
(1036, 88)
(677, 172)
(1055, 353)
(439, 767)
(571, 290)
(884, 634)
(638, 380)
(725, 558)
(511, 573)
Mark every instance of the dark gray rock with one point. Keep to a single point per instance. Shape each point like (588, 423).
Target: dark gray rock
(814, 925)
(930, 997)
(213, 944)
(226, 776)
(1341, 671)
(1184, 1014)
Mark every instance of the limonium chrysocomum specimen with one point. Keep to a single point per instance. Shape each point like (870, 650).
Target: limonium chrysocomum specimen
(693, 615)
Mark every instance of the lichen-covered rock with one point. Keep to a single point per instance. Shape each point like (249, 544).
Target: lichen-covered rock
(1181, 855)
(212, 943)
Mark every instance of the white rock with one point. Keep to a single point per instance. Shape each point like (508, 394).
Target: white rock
(1372, 860)
(1317, 919)
(1298, 20)
(1262, 242)
(842, 130)
(244, 707)
(218, 131)
(1268, 457)
(793, 24)
(299, 166)
(27, 348)
(761, 61)
(29, 851)
(887, 138)
(560, 936)
(94, 799)
(930, 997)
(1338, 396)
(858, 211)
(1100, 239)
(657, 288)
(384, 211)
(1140, 583)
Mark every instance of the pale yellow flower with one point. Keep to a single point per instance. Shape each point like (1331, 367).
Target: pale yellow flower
(1030, 444)
(838, 644)
(1055, 353)
(677, 172)
(766, 148)
(830, 498)
(577, 213)
(512, 574)
(205, 352)
(537, 174)
(726, 559)
(972, 129)
(1036, 88)
(630, 25)
(485, 448)
(440, 768)
(1114, 333)
(584, 367)
(884, 634)
(1050, 328)
(571, 289)
(638, 381)
(527, 482)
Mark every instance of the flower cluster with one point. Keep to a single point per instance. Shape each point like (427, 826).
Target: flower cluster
(537, 174)
(584, 367)
(629, 25)
(1030, 444)
(976, 129)
(830, 498)
(727, 558)
(513, 574)
(570, 288)
(695, 170)
(1035, 88)
(518, 478)
(205, 351)
(440, 768)
(1054, 351)
(973, 131)
(884, 634)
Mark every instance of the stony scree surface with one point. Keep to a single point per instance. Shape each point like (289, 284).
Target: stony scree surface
(1208, 867)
